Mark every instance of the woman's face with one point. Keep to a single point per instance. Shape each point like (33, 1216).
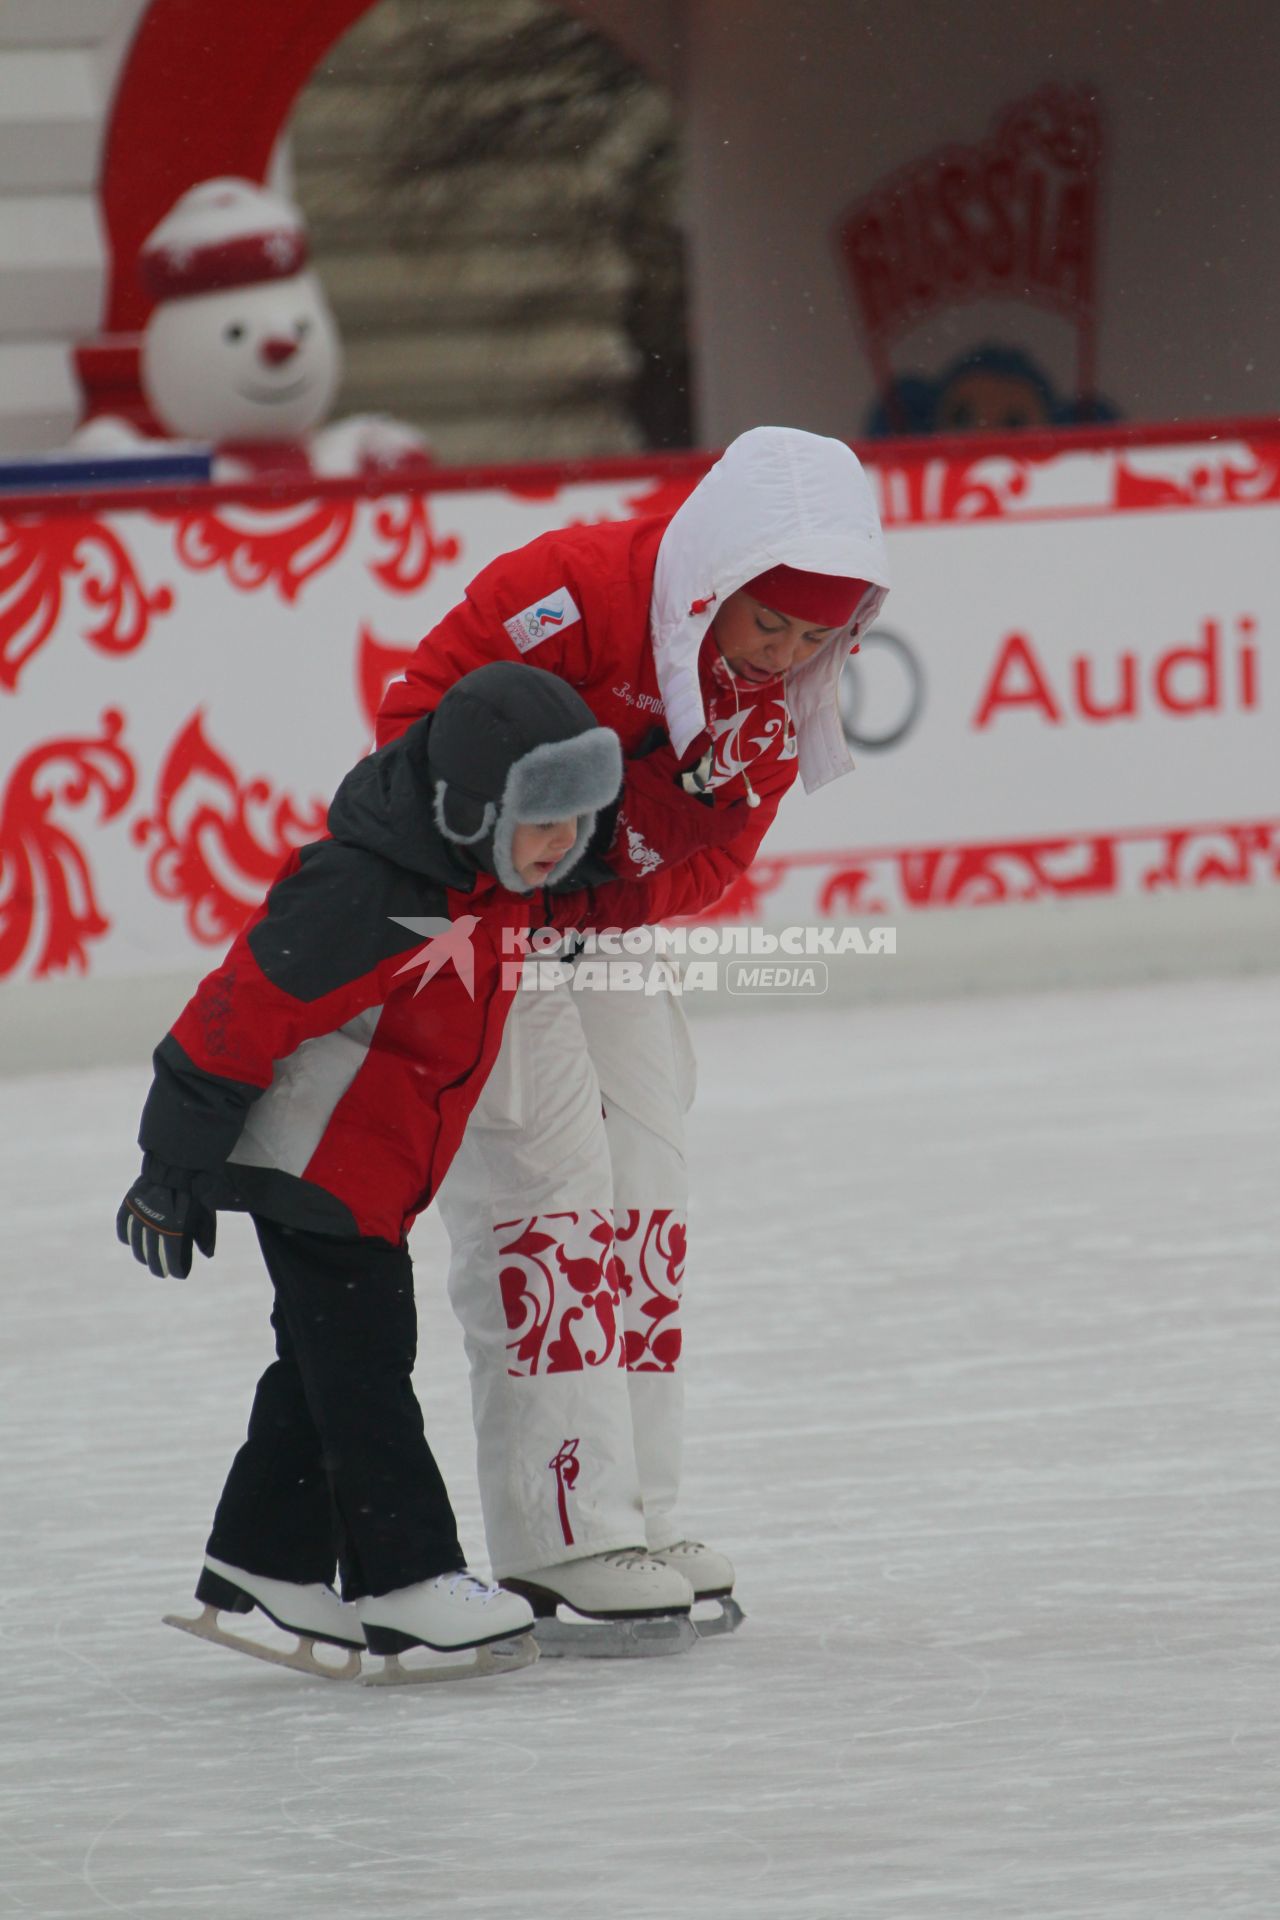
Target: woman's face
(760, 644)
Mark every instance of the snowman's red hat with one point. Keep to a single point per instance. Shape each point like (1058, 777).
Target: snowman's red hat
(223, 233)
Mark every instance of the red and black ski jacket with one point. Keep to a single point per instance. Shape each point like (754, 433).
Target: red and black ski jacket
(316, 1077)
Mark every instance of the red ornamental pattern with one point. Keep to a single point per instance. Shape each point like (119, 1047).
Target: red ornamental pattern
(377, 665)
(40, 555)
(561, 1293)
(874, 883)
(282, 547)
(1197, 477)
(651, 1251)
(983, 876)
(739, 739)
(744, 898)
(1054, 485)
(217, 841)
(1225, 856)
(848, 892)
(972, 876)
(404, 523)
(990, 486)
(46, 884)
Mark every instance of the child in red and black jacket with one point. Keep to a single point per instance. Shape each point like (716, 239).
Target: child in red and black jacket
(320, 1079)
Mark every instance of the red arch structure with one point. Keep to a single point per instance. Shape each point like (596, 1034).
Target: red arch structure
(205, 90)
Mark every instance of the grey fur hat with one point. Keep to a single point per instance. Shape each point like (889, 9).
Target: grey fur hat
(512, 745)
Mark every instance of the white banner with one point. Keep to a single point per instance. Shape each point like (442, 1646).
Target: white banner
(1071, 693)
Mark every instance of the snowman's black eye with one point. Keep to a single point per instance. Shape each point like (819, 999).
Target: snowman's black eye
(301, 327)
(234, 332)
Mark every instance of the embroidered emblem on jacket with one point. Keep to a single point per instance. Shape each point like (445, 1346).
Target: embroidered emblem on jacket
(644, 858)
(551, 614)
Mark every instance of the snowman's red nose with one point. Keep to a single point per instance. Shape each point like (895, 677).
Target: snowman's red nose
(275, 351)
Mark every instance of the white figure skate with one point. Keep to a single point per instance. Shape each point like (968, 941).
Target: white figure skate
(454, 1613)
(710, 1574)
(623, 1604)
(314, 1613)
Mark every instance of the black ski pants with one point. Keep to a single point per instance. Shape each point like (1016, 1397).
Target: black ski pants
(336, 1471)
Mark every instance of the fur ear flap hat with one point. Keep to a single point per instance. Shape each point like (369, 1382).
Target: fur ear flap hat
(512, 745)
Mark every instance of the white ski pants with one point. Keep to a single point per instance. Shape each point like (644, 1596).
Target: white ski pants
(566, 1212)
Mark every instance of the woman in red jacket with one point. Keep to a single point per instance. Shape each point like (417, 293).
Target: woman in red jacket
(712, 641)
(320, 1079)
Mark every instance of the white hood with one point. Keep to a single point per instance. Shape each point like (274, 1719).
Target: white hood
(776, 497)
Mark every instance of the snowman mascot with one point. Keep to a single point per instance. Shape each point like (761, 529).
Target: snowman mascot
(241, 349)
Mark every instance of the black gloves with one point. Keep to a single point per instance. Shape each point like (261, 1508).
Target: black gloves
(161, 1217)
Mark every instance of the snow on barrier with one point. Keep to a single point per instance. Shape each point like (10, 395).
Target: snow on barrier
(1071, 700)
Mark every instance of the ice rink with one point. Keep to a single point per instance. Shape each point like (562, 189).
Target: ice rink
(983, 1402)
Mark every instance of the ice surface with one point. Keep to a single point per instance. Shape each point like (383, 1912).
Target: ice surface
(983, 1402)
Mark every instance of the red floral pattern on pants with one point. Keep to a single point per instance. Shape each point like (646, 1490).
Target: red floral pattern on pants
(651, 1252)
(561, 1293)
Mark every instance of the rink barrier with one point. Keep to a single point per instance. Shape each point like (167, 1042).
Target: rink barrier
(1069, 702)
(1042, 947)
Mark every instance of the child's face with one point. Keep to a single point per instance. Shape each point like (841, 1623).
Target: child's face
(536, 849)
(759, 644)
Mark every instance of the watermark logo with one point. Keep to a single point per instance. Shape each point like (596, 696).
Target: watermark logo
(449, 940)
(791, 978)
(750, 961)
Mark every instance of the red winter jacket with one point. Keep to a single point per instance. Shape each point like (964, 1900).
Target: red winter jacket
(621, 611)
(310, 1078)
(577, 603)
